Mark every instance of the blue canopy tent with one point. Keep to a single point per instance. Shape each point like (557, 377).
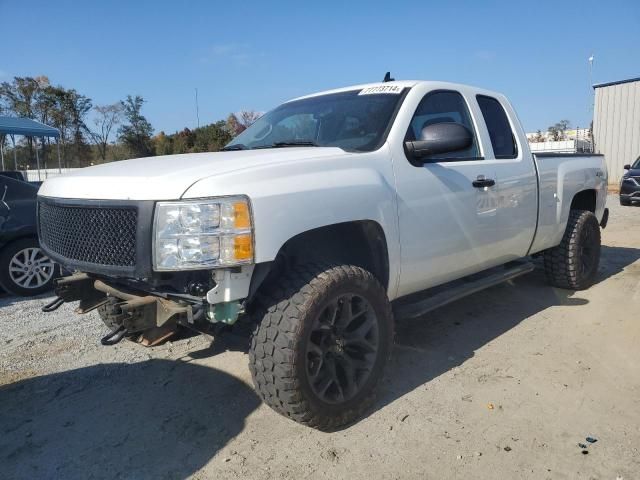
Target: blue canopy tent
(26, 127)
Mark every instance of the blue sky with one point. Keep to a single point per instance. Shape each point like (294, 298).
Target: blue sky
(255, 54)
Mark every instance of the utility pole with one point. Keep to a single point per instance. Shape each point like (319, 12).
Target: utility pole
(197, 109)
(591, 58)
(592, 101)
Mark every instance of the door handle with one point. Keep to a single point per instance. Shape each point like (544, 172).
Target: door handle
(482, 182)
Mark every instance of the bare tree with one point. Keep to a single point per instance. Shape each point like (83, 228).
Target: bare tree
(558, 130)
(20, 97)
(106, 119)
(538, 137)
(248, 117)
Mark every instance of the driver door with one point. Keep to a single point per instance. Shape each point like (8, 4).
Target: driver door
(448, 226)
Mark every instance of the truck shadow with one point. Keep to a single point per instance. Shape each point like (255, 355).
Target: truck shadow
(614, 260)
(429, 346)
(155, 419)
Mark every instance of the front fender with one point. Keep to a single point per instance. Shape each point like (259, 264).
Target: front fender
(290, 199)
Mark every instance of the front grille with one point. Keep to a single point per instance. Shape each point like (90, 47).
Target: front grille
(95, 235)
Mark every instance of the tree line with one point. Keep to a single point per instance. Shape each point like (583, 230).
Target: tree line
(91, 134)
(558, 132)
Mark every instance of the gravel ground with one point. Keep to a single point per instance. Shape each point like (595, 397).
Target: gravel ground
(503, 384)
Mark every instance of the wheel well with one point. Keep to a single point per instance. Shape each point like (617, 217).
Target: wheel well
(584, 200)
(360, 243)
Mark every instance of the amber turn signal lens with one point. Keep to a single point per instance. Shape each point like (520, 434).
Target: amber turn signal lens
(242, 218)
(242, 247)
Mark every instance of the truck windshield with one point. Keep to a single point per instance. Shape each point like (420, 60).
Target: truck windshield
(354, 121)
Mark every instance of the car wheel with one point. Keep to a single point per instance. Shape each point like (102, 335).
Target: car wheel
(25, 269)
(574, 263)
(321, 345)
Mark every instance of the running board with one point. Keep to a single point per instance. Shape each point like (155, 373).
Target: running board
(450, 292)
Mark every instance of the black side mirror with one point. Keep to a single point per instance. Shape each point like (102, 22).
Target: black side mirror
(627, 167)
(440, 138)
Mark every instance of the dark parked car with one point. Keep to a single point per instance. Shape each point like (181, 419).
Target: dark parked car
(15, 174)
(630, 185)
(24, 268)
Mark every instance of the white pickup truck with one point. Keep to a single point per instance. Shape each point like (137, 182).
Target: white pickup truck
(324, 220)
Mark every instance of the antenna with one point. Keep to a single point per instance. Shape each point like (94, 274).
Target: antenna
(197, 110)
(387, 78)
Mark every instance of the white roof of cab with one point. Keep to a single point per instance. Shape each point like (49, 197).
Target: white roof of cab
(401, 84)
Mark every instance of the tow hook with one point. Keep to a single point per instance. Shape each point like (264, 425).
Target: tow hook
(76, 287)
(50, 307)
(114, 336)
(146, 319)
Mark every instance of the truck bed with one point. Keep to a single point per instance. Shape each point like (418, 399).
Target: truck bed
(562, 175)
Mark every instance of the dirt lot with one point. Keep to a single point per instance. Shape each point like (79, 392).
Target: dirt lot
(504, 384)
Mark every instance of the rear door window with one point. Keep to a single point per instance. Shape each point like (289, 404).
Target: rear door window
(502, 139)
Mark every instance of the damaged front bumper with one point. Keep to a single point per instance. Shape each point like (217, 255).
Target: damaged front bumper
(138, 309)
(151, 316)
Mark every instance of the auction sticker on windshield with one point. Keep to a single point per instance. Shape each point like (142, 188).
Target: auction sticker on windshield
(394, 89)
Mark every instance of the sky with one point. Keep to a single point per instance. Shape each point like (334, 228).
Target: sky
(256, 54)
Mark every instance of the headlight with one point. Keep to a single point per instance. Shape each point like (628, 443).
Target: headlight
(197, 234)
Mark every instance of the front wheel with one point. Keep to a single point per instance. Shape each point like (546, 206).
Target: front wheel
(322, 343)
(25, 269)
(574, 263)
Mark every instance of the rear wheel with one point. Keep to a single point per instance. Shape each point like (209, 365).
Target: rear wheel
(574, 263)
(322, 344)
(25, 269)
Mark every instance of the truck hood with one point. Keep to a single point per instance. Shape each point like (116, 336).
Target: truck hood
(168, 177)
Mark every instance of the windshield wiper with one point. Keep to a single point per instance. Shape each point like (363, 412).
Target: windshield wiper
(296, 143)
(291, 143)
(237, 146)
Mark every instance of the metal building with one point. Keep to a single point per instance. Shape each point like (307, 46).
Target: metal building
(616, 124)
